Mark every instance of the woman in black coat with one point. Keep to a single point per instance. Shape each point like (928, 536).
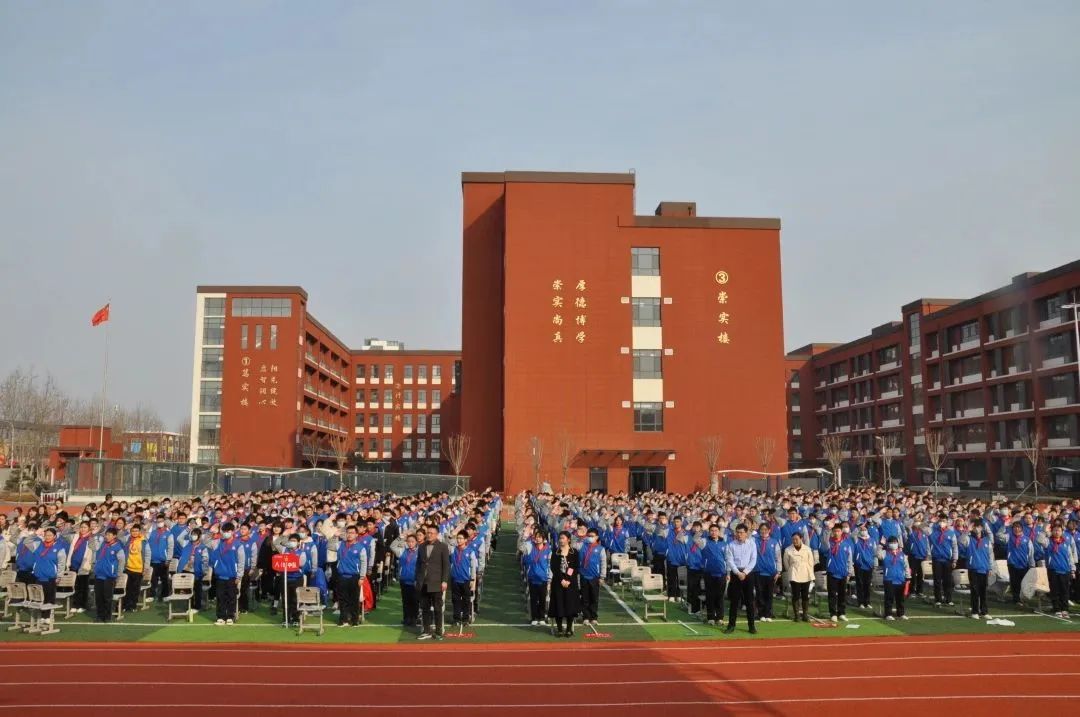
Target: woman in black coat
(565, 594)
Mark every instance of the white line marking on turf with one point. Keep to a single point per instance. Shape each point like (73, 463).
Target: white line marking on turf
(688, 627)
(531, 705)
(500, 665)
(622, 604)
(590, 683)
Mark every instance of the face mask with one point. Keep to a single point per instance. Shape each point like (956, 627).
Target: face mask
(341, 524)
(893, 546)
(847, 531)
(590, 539)
(293, 544)
(943, 525)
(864, 534)
(161, 524)
(227, 534)
(303, 536)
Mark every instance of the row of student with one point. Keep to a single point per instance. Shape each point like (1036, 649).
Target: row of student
(109, 540)
(670, 547)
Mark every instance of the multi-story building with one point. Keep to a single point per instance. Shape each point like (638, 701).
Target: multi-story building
(156, 446)
(608, 347)
(274, 387)
(989, 375)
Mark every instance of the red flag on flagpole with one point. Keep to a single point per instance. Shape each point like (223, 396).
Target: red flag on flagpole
(101, 316)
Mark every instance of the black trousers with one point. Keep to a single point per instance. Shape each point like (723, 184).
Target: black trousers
(659, 566)
(673, 590)
(894, 596)
(537, 601)
(289, 589)
(741, 592)
(590, 598)
(714, 596)
(103, 592)
(916, 574)
(245, 590)
(25, 576)
(862, 585)
(226, 598)
(332, 580)
(81, 598)
(159, 578)
(131, 596)
(978, 592)
(693, 589)
(431, 607)
(942, 581)
(266, 585)
(461, 597)
(197, 594)
(348, 587)
(1059, 590)
(48, 588)
(410, 604)
(764, 586)
(800, 598)
(1016, 578)
(837, 595)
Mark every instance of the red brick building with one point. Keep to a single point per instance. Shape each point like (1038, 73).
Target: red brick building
(611, 342)
(274, 387)
(992, 373)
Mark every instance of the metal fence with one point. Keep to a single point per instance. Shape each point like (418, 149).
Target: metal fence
(97, 477)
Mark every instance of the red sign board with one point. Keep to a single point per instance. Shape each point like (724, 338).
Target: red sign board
(285, 563)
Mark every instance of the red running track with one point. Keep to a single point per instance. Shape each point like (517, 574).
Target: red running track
(956, 675)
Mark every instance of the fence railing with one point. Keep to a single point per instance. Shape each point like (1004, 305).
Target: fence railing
(97, 477)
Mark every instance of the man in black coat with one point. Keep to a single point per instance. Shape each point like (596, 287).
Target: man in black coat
(432, 577)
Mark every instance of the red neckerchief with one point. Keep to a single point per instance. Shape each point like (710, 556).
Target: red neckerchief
(79, 541)
(537, 554)
(1056, 543)
(834, 545)
(764, 545)
(1017, 539)
(47, 547)
(589, 551)
(894, 555)
(941, 536)
(459, 553)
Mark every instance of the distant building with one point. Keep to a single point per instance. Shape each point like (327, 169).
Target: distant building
(155, 446)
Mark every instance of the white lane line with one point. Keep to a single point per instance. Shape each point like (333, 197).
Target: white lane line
(526, 666)
(532, 705)
(619, 600)
(590, 683)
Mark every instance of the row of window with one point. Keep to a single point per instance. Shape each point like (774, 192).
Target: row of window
(262, 307)
(258, 337)
(372, 421)
(372, 396)
(376, 372)
(406, 447)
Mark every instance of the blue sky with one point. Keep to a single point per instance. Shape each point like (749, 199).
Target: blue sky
(911, 149)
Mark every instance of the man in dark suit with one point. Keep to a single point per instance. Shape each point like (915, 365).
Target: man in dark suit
(432, 576)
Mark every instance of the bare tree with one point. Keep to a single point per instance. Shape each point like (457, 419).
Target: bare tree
(835, 448)
(890, 448)
(937, 443)
(1031, 445)
(341, 448)
(310, 447)
(458, 450)
(710, 450)
(765, 446)
(536, 455)
(567, 452)
(863, 457)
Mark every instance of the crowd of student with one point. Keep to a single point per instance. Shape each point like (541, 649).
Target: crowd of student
(349, 545)
(742, 544)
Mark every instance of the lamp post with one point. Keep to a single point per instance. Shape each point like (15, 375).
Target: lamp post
(11, 446)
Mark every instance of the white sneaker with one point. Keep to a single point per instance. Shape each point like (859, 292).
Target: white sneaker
(833, 618)
(904, 617)
(219, 622)
(951, 604)
(986, 616)
(890, 618)
(228, 622)
(671, 599)
(844, 618)
(974, 617)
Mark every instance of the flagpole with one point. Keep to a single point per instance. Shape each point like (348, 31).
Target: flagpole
(104, 387)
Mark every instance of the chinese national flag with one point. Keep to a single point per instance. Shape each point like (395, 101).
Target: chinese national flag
(101, 316)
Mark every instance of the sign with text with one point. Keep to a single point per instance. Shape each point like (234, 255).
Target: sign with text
(285, 563)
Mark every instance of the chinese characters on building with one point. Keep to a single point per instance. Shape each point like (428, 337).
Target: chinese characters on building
(569, 311)
(258, 383)
(723, 317)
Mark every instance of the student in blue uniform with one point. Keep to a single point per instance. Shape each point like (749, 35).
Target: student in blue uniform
(865, 561)
(463, 569)
(24, 554)
(917, 546)
(766, 571)
(716, 570)
(49, 558)
(676, 556)
(839, 558)
(1060, 569)
(538, 574)
(227, 560)
(1021, 557)
(944, 552)
(593, 570)
(161, 544)
(895, 574)
(352, 566)
(195, 559)
(695, 568)
(406, 565)
(980, 561)
(109, 562)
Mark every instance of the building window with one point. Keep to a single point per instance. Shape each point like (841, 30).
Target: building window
(436, 447)
(207, 455)
(457, 378)
(374, 372)
(213, 331)
(645, 261)
(373, 420)
(648, 417)
(373, 396)
(210, 396)
(373, 445)
(406, 447)
(261, 307)
(646, 478)
(421, 372)
(914, 334)
(408, 373)
(646, 311)
(361, 371)
(209, 430)
(360, 395)
(408, 396)
(388, 396)
(647, 363)
(360, 420)
(258, 336)
(243, 337)
(421, 397)
(436, 422)
(388, 372)
(598, 479)
(273, 336)
(214, 307)
(421, 448)
(388, 445)
(407, 421)
(388, 420)
(969, 332)
(212, 361)
(421, 423)
(436, 374)
(436, 398)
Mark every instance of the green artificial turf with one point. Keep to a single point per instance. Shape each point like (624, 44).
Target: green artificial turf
(503, 618)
